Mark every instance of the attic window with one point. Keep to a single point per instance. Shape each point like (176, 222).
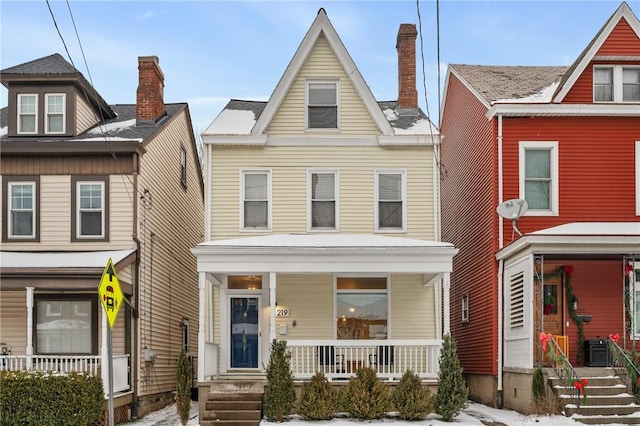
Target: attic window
(55, 108)
(322, 105)
(27, 115)
(616, 83)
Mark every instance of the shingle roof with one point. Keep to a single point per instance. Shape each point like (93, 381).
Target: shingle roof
(52, 64)
(496, 83)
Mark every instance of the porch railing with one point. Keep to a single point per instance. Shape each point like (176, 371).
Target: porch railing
(625, 368)
(340, 359)
(565, 371)
(90, 364)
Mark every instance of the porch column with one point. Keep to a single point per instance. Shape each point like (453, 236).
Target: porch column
(29, 327)
(104, 354)
(272, 307)
(202, 298)
(446, 284)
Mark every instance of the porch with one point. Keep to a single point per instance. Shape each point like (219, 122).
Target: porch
(64, 364)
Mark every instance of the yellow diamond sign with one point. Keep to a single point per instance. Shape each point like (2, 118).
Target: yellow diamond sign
(110, 293)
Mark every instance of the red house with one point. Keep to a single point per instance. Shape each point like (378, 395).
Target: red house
(567, 141)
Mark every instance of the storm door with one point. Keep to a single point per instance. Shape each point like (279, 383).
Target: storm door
(245, 331)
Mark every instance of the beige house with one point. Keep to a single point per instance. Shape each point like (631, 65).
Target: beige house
(321, 225)
(84, 182)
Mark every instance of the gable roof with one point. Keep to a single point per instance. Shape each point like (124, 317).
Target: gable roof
(588, 54)
(321, 26)
(55, 67)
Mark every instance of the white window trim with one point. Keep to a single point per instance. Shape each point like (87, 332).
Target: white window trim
(637, 178)
(617, 83)
(543, 145)
(336, 81)
(465, 308)
(244, 172)
(360, 275)
(46, 113)
(19, 114)
(11, 209)
(403, 173)
(183, 166)
(79, 210)
(336, 197)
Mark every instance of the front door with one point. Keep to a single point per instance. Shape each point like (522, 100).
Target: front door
(551, 306)
(245, 331)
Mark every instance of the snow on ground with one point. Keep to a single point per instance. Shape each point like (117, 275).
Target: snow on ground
(474, 414)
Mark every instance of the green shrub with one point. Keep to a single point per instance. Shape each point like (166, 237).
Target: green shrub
(412, 401)
(366, 397)
(318, 399)
(183, 387)
(279, 394)
(452, 393)
(537, 385)
(27, 398)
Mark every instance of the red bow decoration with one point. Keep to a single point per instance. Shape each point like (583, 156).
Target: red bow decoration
(568, 269)
(544, 338)
(614, 337)
(580, 385)
(628, 268)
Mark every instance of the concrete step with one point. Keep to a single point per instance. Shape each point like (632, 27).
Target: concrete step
(234, 396)
(240, 415)
(229, 423)
(593, 381)
(596, 400)
(606, 420)
(601, 410)
(232, 405)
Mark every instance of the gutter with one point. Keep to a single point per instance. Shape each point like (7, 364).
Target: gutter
(500, 360)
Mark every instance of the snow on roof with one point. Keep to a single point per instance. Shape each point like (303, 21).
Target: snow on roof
(112, 127)
(545, 95)
(107, 139)
(592, 228)
(329, 240)
(233, 122)
(63, 259)
(421, 126)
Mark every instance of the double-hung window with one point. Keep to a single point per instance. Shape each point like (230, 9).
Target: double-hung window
(361, 308)
(322, 104)
(255, 201)
(616, 83)
(21, 208)
(539, 177)
(90, 208)
(66, 324)
(390, 213)
(55, 107)
(27, 114)
(322, 193)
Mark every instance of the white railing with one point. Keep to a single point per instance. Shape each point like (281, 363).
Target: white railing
(340, 359)
(90, 364)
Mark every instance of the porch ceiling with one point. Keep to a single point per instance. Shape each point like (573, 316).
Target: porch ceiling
(579, 238)
(62, 262)
(325, 253)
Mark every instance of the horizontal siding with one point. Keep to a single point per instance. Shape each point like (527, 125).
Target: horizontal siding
(469, 221)
(622, 41)
(64, 165)
(313, 312)
(412, 309)
(582, 90)
(322, 63)
(13, 320)
(588, 153)
(289, 166)
(85, 115)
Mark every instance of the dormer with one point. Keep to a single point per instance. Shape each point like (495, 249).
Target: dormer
(49, 98)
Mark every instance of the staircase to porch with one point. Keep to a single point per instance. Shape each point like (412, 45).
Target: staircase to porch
(607, 402)
(233, 403)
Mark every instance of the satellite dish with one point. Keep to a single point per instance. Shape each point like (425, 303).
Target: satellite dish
(513, 209)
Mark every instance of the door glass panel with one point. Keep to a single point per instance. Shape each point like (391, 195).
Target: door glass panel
(244, 332)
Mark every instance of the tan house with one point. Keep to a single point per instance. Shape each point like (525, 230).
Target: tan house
(321, 222)
(84, 182)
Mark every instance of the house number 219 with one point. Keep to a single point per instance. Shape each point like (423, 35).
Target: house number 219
(282, 312)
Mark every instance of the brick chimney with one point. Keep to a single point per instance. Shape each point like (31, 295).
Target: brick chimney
(406, 47)
(150, 93)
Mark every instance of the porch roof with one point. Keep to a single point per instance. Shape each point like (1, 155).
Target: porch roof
(325, 253)
(579, 238)
(85, 261)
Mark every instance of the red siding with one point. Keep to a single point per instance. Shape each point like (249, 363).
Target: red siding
(622, 41)
(582, 90)
(469, 197)
(596, 166)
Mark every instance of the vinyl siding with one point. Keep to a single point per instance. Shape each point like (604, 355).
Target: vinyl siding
(356, 164)
(354, 119)
(588, 150)
(582, 90)
(13, 320)
(469, 221)
(170, 224)
(622, 41)
(85, 115)
(412, 309)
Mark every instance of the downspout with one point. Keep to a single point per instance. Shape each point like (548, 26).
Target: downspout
(500, 391)
(136, 314)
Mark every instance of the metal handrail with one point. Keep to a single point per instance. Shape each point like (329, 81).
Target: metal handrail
(630, 379)
(565, 372)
